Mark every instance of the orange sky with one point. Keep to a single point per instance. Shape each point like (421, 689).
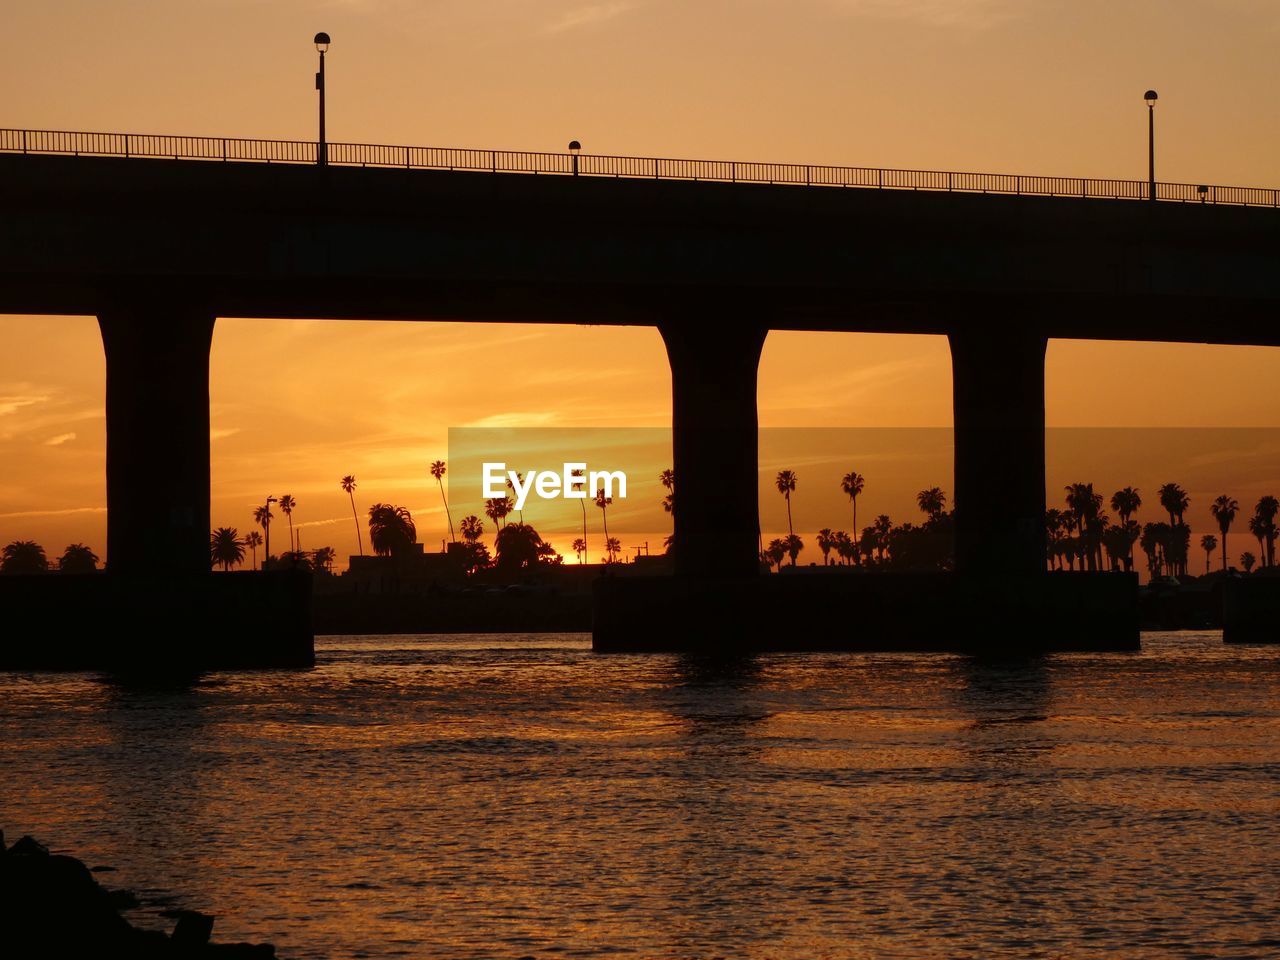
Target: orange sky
(1004, 85)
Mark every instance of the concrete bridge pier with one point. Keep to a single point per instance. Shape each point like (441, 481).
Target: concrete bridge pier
(998, 395)
(157, 438)
(715, 447)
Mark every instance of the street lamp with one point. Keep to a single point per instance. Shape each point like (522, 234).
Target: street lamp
(322, 146)
(1151, 97)
(574, 148)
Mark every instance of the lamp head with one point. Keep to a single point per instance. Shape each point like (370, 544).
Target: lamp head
(574, 146)
(322, 42)
(1151, 97)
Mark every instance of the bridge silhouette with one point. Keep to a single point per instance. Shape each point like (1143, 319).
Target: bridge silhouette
(238, 149)
(159, 236)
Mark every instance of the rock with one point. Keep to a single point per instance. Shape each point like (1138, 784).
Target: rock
(28, 847)
(193, 929)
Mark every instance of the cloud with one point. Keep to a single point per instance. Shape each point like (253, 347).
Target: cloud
(12, 404)
(936, 13)
(591, 14)
(60, 439)
(537, 419)
(220, 433)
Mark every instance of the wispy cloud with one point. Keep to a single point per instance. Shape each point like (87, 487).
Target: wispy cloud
(60, 439)
(532, 419)
(51, 513)
(978, 14)
(219, 433)
(588, 15)
(12, 404)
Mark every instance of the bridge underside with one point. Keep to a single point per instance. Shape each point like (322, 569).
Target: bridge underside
(159, 249)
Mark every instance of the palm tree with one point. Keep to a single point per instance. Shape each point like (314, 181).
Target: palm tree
(1208, 543)
(1084, 505)
(438, 471)
(472, 528)
(579, 547)
(852, 484)
(845, 547)
(612, 546)
(1175, 500)
(1224, 510)
(253, 540)
(348, 484)
(932, 501)
(826, 540)
(603, 503)
(77, 558)
(786, 483)
(582, 502)
(1258, 527)
(1267, 508)
(1126, 503)
(287, 503)
(263, 516)
(497, 509)
(23, 556)
(226, 548)
(511, 486)
(323, 559)
(883, 526)
(794, 546)
(391, 529)
(668, 479)
(775, 553)
(1247, 560)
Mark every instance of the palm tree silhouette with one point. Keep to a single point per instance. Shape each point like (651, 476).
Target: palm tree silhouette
(323, 559)
(1247, 560)
(438, 471)
(511, 486)
(603, 503)
(1126, 503)
(1208, 543)
(287, 503)
(794, 546)
(1267, 508)
(1224, 510)
(472, 528)
(1175, 501)
(348, 483)
(77, 558)
(826, 541)
(579, 547)
(253, 540)
(786, 483)
(668, 479)
(582, 502)
(263, 516)
(23, 556)
(776, 552)
(391, 529)
(852, 484)
(844, 546)
(932, 501)
(497, 509)
(612, 546)
(882, 526)
(226, 548)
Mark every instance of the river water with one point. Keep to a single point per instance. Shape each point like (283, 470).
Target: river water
(514, 796)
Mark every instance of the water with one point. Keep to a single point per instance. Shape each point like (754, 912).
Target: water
(510, 796)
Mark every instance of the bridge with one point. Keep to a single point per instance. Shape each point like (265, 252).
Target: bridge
(159, 236)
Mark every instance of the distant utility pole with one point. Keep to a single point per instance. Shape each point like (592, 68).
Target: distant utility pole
(322, 146)
(1151, 97)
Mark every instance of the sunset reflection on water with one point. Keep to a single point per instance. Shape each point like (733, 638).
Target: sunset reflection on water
(512, 796)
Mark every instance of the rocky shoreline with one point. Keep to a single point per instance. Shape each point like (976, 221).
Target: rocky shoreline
(51, 906)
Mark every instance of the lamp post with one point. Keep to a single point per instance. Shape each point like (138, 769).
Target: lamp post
(1151, 97)
(574, 148)
(322, 146)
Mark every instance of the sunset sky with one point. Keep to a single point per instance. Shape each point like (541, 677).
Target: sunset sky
(1036, 86)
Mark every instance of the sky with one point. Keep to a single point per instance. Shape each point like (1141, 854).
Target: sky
(1036, 86)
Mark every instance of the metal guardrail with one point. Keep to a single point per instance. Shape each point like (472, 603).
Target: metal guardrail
(230, 149)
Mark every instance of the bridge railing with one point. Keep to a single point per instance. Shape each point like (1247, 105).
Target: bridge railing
(230, 149)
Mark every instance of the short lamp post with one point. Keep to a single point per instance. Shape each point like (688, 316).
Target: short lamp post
(574, 149)
(1151, 97)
